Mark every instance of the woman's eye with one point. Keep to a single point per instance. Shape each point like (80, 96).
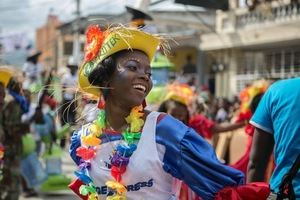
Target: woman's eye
(149, 74)
(132, 67)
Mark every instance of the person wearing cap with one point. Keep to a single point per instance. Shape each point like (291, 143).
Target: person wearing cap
(138, 17)
(32, 70)
(10, 129)
(129, 152)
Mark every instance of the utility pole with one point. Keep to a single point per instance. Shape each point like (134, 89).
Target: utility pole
(76, 35)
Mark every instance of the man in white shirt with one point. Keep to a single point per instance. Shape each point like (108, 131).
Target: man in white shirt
(68, 107)
(32, 70)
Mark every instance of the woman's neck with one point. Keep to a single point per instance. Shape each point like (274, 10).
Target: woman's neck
(115, 116)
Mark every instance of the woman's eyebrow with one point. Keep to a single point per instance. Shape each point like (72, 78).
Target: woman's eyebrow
(132, 59)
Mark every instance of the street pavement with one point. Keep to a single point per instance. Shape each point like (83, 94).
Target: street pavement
(68, 169)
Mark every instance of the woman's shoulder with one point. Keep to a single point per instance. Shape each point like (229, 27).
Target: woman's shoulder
(169, 127)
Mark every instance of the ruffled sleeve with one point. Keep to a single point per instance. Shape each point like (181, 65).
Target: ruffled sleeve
(75, 143)
(190, 158)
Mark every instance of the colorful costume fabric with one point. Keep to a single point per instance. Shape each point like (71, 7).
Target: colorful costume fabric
(202, 125)
(167, 148)
(278, 113)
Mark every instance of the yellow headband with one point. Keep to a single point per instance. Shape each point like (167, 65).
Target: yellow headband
(100, 45)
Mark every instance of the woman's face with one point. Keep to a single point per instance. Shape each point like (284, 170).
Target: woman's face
(178, 111)
(131, 82)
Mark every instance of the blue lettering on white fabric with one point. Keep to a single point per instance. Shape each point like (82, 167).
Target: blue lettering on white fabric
(134, 187)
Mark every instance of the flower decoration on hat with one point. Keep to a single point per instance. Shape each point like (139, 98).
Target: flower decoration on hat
(248, 93)
(94, 39)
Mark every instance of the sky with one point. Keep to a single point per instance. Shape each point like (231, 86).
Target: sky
(20, 18)
(24, 16)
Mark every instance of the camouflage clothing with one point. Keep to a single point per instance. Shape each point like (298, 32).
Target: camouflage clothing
(11, 128)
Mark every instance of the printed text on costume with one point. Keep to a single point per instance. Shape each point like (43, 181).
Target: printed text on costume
(134, 187)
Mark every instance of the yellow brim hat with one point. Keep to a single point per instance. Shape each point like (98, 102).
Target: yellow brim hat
(115, 40)
(5, 75)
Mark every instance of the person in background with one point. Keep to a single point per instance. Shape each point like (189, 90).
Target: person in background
(177, 106)
(189, 67)
(69, 103)
(12, 131)
(249, 99)
(90, 111)
(32, 72)
(2, 97)
(222, 114)
(206, 127)
(277, 129)
(242, 163)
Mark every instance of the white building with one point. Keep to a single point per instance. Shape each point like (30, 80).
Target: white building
(248, 45)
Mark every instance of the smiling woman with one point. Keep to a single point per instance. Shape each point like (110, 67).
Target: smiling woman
(129, 152)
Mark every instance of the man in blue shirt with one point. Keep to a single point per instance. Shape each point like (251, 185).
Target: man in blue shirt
(277, 122)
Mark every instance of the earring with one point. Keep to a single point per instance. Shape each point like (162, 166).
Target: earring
(101, 102)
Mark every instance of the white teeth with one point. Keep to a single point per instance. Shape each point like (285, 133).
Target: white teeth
(140, 87)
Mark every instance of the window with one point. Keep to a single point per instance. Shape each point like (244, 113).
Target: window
(297, 61)
(68, 48)
(277, 63)
(287, 62)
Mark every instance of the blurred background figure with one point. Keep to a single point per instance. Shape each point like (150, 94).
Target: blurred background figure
(250, 98)
(33, 72)
(69, 101)
(90, 110)
(12, 132)
(189, 67)
(206, 127)
(139, 13)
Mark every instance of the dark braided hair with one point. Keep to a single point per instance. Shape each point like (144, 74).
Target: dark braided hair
(255, 101)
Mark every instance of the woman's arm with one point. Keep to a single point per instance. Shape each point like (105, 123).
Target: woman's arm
(190, 158)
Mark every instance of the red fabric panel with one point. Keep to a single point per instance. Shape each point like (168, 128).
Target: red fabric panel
(251, 191)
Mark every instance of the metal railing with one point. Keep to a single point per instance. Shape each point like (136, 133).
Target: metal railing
(281, 13)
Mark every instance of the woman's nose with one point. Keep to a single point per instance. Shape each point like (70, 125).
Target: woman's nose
(144, 75)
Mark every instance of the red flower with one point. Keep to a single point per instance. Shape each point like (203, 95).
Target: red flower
(85, 153)
(94, 40)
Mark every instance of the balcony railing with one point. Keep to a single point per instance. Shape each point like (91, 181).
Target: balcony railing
(242, 18)
(281, 13)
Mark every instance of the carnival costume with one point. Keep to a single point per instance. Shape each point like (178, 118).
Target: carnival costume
(246, 97)
(139, 163)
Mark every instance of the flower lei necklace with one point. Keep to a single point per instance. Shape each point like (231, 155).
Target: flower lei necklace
(120, 156)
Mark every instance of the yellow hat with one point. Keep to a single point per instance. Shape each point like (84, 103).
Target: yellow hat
(5, 75)
(181, 93)
(100, 45)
